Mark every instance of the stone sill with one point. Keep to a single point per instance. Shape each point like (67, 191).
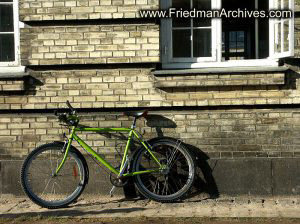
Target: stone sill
(218, 77)
(220, 80)
(12, 79)
(12, 72)
(226, 70)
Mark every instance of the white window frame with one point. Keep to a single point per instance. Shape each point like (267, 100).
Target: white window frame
(16, 62)
(170, 63)
(273, 4)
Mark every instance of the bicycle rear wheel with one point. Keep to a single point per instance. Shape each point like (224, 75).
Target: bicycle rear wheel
(47, 190)
(171, 183)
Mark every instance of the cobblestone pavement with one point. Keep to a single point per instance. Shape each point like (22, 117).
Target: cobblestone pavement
(99, 206)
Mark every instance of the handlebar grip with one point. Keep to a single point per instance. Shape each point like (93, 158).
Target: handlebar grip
(69, 105)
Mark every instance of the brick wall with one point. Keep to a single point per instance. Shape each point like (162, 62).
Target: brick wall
(135, 87)
(99, 44)
(134, 45)
(218, 133)
(83, 9)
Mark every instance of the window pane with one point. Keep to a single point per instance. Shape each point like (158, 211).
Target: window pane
(277, 4)
(277, 43)
(6, 18)
(202, 22)
(181, 43)
(202, 4)
(181, 22)
(202, 43)
(184, 5)
(286, 4)
(236, 42)
(223, 42)
(240, 47)
(240, 36)
(286, 33)
(232, 36)
(7, 47)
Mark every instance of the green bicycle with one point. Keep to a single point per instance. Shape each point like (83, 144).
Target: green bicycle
(55, 174)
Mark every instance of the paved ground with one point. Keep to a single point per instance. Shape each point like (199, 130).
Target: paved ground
(147, 220)
(106, 207)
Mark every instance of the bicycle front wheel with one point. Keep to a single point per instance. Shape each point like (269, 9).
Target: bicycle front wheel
(171, 183)
(45, 189)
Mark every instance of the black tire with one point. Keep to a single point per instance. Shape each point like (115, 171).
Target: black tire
(48, 191)
(169, 185)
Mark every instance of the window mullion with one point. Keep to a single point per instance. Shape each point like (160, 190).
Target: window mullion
(192, 39)
(282, 35)
(192, 33)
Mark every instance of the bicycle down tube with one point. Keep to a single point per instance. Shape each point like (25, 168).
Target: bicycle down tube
(86, 147)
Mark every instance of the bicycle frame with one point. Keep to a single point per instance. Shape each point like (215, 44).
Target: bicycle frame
(100, 159)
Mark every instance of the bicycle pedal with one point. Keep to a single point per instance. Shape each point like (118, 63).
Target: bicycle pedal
(111, 191)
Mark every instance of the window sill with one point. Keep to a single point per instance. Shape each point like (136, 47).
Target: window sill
(12, 79)
(215, 77)
(220, 70)
(13, 72)
(238, 64)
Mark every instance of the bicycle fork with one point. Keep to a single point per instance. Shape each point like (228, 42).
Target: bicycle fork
(65, 150)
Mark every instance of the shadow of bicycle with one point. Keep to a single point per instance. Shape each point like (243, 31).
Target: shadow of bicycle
(204, 180)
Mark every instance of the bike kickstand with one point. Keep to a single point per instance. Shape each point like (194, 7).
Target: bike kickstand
(111, 191)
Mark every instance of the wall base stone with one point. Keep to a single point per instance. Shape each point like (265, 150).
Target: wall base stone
(234, 177)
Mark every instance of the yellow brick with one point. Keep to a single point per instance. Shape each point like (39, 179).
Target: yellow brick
(48, 36)
(150, 46)
(21, 100)
(108, 98)
(70, 3)
(106, 9)
(49, 55)
(60, 42)
(61, 99)
(150, 33)
(82, 9)
(60, 55)
(37, 56)
(84, 99)
(106, 15)
(95, 35)
(272, 94)
(131, 98)
(71, 42)
(62, 80)
(60, 48)
(129, 47)
(39, 100)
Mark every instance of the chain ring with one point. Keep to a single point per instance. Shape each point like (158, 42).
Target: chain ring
(117, 182)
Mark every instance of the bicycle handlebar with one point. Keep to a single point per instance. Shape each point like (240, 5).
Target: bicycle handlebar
(73, 111)
(70, 117)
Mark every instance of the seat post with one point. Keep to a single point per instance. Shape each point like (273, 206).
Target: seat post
(133, 123)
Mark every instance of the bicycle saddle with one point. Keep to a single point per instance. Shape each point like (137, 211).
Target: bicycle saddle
(136, 114)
